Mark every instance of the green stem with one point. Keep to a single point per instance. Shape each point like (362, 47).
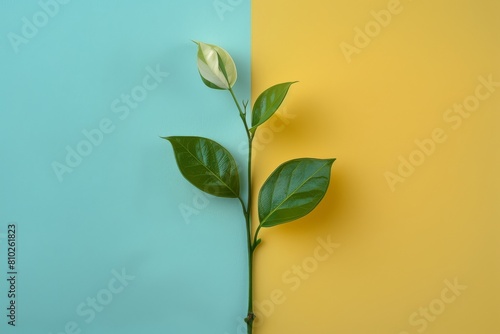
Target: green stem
(250, 314)
(236, 101)
(243, 117)
(247, 212)
(255, 239)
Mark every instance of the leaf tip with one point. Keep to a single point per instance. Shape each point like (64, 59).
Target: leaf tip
(330, 161)
(169, 139)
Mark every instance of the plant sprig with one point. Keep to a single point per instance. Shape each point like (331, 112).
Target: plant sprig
(292, 191)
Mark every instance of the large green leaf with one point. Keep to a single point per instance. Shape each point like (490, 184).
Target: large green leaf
(268, 102)
(293, 190)
(207, 165)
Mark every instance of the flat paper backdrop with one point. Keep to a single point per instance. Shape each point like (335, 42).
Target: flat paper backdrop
(118, 242)
(377, 81)
(405, 94)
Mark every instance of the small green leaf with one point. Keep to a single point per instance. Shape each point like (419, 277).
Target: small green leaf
(207, 165)
(293, 190)
(268, 102)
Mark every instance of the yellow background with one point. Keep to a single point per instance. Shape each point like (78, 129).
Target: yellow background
(396, 247)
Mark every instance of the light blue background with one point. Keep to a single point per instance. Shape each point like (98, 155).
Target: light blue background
(120, 208)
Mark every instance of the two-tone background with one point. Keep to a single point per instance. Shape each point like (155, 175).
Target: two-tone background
(111, 239)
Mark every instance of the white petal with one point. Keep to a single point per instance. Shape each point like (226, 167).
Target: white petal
(207, 73)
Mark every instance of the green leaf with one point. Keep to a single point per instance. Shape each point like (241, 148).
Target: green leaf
(268, 102)
(293, 190)
(207, 165)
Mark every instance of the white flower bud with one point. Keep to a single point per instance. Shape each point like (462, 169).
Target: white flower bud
(216, 67)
